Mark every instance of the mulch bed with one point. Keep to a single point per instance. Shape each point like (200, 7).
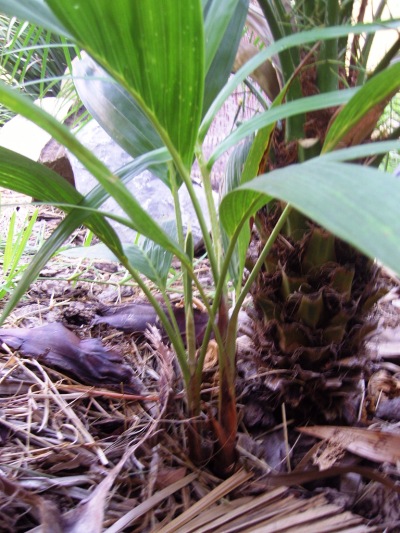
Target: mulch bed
(79, 456)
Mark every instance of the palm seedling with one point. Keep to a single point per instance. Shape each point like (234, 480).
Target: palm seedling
(156, 90)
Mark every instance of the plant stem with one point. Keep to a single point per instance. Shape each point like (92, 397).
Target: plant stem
(226, 428)
(215, 229)
(175, 338)
(199, 213)
(220, 286)
(177, 207)
(231, 337)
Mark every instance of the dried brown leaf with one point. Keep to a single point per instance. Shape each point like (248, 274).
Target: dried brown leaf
(375, 445)
(87, 360)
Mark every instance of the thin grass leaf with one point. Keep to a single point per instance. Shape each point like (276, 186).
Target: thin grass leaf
(19, 245)
(36, 11)
(32, 57)
(8, 250)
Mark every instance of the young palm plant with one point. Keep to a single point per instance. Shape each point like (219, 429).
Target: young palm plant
(314, 295)
(159, 78)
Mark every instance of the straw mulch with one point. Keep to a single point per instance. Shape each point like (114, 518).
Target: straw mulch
(77, 457)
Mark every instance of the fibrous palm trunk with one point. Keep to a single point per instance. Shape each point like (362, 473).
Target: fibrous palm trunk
(312, 314)
(312, 308)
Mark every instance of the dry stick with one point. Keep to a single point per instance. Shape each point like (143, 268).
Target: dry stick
(286, 437)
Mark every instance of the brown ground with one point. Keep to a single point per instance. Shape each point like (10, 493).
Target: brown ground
(79, 456)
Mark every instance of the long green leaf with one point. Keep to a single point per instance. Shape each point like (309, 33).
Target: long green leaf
(358, 204)
(297, 39)
(19, 174)
(359, 152)
(116, 111)
(223, 27)
(144, 224)
(218, 16)
(272, 115)
(23, 175)
(369, 100)
(156, 52)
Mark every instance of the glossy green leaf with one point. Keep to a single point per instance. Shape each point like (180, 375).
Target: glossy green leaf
(358, 204)
(156, 53)
(116, 111)
(355, 114)
(223, 27)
